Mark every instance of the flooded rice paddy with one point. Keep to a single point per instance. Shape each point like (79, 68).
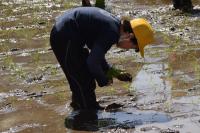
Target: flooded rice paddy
(164, 96)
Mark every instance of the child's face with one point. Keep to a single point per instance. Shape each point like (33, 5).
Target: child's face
(127, 41)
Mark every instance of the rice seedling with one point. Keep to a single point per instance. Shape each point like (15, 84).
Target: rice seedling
(100, 3)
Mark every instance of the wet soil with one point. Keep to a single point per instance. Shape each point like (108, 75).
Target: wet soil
(164, 96)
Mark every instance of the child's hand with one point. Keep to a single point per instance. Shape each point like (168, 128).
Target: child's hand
(119, 74)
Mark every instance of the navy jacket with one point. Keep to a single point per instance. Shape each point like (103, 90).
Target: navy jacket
(96, 28)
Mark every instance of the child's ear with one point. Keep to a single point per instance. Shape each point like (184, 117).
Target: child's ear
(131, 35)
(128, 35)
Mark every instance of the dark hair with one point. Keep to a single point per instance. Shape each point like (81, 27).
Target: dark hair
(127, 26)
(134, 40)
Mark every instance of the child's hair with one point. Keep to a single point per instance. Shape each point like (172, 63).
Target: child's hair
(127, 26)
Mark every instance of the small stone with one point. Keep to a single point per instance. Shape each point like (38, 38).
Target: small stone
(169, 131)
(14, 49)
(178, 126)
(145, 129)
(187, 29)
(50, 49)
(43, 92)
(133, 99)
(130, 94)
(38, 95)
(41, 23)
(31, 94)
(3, 68)
(172, 28)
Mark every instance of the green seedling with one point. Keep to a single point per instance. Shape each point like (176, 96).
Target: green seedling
(67, 5)
(36, 58)
(132, 90)
(100, 4)
(54, 71)
(119, 74)
(19, 72)
(168, 106)
(110, 90)
(46, 68)
(8, 62)
(113, 72)
(127, 86)
(61, 96)
(197, 69)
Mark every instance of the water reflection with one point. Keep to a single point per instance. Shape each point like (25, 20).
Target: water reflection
(101, 120)
(150, 82)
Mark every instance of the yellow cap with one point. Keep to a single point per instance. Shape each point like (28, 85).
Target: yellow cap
(143, 33)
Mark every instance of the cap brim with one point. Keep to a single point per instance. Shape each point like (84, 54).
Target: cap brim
(141, 49)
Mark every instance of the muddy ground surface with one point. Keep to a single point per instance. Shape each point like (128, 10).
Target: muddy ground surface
(164, 96)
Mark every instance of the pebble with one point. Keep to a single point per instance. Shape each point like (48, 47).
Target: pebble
(144, 129)
(178, 126)
(172, 28)
(169, 131)
(14, 49)
(41, 23)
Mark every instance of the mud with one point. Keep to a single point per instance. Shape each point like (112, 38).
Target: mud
(163, 96)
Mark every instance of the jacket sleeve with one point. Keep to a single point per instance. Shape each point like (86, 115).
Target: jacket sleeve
(96, 61)
(105, 65)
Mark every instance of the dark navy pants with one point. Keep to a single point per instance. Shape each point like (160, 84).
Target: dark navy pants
(72, 57)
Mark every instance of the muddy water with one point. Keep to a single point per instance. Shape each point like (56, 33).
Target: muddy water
(163, 97)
